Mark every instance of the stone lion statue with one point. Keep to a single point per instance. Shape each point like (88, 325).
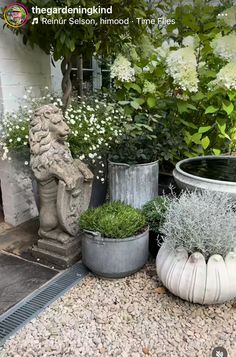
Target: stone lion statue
(64, 183)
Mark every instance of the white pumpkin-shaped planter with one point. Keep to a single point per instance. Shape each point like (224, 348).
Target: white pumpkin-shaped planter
(195, 280)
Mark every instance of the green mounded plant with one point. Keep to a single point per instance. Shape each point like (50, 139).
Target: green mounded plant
(202, 222)
(155, 211)
(114, 220)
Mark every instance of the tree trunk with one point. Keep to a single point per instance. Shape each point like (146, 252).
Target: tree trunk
(80, 75)
(66, 84)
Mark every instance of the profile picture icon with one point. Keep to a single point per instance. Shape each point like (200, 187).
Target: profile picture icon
(16, 15)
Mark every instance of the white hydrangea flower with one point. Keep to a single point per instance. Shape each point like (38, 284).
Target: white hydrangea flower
(184, 97)
(122, 70)
(175, 32)
(163, 31)
(225, 47)
(149, 87)
(161, 54)
(182, 67)
(229, 16)
(172, 43)
(226, 78)
(191, 41)
(164, 49)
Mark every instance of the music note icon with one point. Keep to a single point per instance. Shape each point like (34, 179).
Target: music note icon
(35, 21)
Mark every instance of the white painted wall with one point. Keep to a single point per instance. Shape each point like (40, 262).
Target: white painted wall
(56, 78)
(20, 68)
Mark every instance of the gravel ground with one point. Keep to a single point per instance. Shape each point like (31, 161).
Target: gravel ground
(129, 317)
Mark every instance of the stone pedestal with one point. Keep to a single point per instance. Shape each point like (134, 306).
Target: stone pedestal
(62, 255)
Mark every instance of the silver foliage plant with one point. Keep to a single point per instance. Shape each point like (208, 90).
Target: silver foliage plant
(201, 222)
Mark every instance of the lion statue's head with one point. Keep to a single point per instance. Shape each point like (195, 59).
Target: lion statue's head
(47, 135)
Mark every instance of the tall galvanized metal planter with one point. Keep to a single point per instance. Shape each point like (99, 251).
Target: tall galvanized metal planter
(133, 184)
(113, 257)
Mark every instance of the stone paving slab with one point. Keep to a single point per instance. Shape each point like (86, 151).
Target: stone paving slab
(17, 240)
(19, 278)
(20, 240)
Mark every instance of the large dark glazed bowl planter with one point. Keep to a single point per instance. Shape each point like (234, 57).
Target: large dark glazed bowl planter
(215, 173)
(112, 257)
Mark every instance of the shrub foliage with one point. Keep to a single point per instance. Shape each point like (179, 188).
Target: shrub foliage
(114, 220)
(155, 211)
(201, 222)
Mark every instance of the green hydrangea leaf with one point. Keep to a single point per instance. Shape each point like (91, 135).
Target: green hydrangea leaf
(211, 109)
(204, 129)
(205, 142)
(228, 108)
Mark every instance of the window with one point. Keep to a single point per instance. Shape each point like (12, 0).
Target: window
(89, 75)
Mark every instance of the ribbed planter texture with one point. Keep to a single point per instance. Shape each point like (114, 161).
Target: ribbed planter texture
(133, 184)
(195, 280)
(114, 258)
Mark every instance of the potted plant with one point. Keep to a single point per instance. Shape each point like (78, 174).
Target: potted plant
(197, 260)
(115, 240)
(154, 212)
(152, 135)
(96, 123)
(133, 165)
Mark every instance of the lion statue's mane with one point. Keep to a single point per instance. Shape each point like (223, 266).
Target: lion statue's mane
(46, 150)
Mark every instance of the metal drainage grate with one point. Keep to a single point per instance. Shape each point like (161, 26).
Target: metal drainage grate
(30, 307)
